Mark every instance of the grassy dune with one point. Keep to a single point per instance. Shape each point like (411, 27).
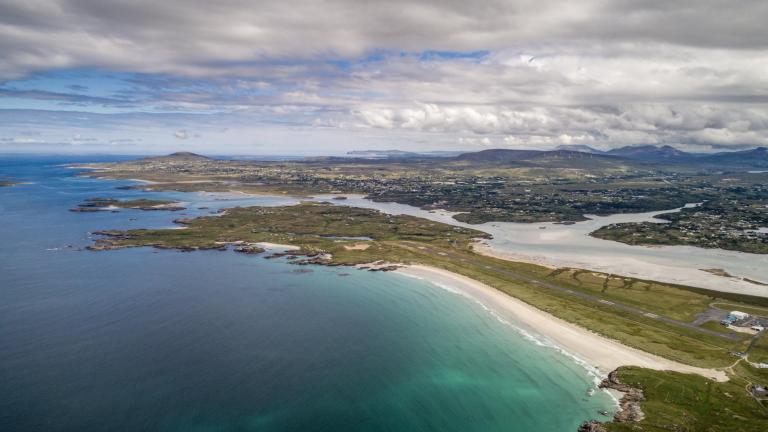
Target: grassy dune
(680, 402)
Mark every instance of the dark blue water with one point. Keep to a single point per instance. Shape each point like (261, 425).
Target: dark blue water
(147, 340)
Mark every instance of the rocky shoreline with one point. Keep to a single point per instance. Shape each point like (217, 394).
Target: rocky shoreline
(295, 256)
(629, 404)
(91, 205)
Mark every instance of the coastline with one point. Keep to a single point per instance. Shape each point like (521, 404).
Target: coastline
(587, 348)
(599, 352)
(482, 248)
(268, 245)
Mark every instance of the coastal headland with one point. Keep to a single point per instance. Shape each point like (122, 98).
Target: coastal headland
(111, 204)
(504, 186)
(607, 321)
(658, 338)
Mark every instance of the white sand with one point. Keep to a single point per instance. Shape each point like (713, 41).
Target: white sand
(267, 245)
(598, 351)
(357, 246)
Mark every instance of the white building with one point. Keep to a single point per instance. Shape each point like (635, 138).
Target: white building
(739, 315)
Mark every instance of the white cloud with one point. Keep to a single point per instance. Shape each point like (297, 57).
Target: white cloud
(617, 125)
(199, 37)
(586, 71)
(181, 134)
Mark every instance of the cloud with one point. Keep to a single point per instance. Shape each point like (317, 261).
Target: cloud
(64, 98)
(181, 134)
(197, 37)
(533, 73)
(78, 139)
(595, 125)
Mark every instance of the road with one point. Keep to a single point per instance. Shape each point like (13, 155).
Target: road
(512, 275)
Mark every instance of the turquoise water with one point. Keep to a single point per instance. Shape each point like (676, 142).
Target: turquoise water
(147, 340)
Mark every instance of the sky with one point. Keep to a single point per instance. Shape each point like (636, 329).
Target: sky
(318, 77)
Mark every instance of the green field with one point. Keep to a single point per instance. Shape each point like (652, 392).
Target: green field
(681, 402)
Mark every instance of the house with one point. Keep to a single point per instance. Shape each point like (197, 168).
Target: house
(759, 391)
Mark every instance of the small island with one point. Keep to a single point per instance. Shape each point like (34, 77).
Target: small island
(111, 204)
(311, 226)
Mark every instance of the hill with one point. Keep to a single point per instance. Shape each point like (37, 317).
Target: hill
(178, 157)
(651, 153)
(754, 158)
(399, 154)
(580, 148)
(585, 157)
(547, 158)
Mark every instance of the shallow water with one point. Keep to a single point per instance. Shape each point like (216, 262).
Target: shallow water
(571, 245)
(140, 339)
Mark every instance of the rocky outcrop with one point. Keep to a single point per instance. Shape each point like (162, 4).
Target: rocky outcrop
(249, 249)
(385, 268)
(115, 240)
(88, 209)
(111, 204)
(629, 405)
(592, 426)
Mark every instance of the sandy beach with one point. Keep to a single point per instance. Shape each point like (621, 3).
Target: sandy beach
(267, 245)
(597, 351)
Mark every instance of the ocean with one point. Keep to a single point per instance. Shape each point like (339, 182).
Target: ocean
(151, 340)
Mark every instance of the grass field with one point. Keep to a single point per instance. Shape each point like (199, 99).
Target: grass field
(681, 402)
(758, 351)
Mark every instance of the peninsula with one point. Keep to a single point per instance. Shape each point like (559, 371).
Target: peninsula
(111, 204)
(507, 186)
(652, 332)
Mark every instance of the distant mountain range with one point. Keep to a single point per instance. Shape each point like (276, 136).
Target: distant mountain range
(579, 148)
(399, 154)
(576, 156)
(646, 154)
